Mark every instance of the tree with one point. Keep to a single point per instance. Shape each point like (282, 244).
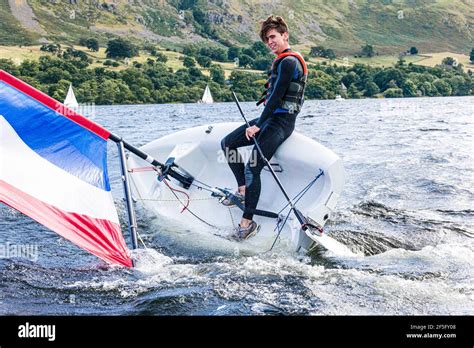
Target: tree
(353, 92)
(443, 87)
(245, 61)
(161, 57)
(150, 49)
(189, 62)
(261, 64)
(120, 48)
(92, 44)
(203, 61)
(215, 53)
(9, 66)
(249, 52)
(321, 51)
(449, 61)
(472, 56)
(368, 51)
(51, 48)
(29, 68)
(387, 78)
(409, 88)
(350, 78)
(413, 50)
(54, 75)
(199, 16)
(187, 4)
(190, 50)
(233, 52)
(427, 89)
(317, 51)
(260, 48)
(196, 73)
(217, 74)
(371, 89)
(330, 54)
(393, 93)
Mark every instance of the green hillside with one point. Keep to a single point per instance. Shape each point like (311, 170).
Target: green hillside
(390, 25)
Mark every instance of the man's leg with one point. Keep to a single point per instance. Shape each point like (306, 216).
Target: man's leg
(229, 145)
(270, 138)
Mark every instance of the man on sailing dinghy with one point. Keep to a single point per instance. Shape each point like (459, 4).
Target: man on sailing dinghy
(283, 100)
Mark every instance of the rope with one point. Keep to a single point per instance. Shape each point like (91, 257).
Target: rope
(141, 240)
(189, 210)
(176, 190)
(174, 200)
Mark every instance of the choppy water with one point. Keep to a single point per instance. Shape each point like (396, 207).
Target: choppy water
(407, 206)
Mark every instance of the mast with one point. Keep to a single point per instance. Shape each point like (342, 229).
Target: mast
(132, 221)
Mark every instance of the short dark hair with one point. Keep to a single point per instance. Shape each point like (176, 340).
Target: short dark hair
(277, 23)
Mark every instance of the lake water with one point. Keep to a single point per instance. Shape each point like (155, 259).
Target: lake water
(407, 207)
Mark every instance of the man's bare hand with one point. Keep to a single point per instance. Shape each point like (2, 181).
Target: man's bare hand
(251, 131)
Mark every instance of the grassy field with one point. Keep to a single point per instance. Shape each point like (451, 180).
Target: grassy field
(432, 59)
(427, 59)
(19, 54)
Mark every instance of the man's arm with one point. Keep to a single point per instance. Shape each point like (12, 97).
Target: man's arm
(286, 69)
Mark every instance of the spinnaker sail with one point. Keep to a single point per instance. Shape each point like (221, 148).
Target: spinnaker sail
(53, 168)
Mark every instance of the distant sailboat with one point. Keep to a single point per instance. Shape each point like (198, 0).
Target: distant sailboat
(70, 100)
(207, 96)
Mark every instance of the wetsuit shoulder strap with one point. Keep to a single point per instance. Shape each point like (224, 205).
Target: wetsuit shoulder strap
(293, 54)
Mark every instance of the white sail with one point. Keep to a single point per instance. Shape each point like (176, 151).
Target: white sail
(207, 96)
(70, 100)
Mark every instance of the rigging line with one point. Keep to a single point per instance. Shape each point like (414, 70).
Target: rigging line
(303, 191)
(141, 240)
(174, 200)
(202, 183)
(177, 199)
(180, 191)
(280, 228)
(190, 211)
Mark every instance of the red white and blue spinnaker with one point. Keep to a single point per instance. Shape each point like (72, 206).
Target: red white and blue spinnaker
(53, 168)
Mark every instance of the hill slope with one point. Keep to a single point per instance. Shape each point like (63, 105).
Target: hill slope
(390, 25)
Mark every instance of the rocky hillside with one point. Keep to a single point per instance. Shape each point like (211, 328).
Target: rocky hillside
(389, 25)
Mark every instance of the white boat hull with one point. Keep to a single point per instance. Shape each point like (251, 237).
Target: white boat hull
(197, 150)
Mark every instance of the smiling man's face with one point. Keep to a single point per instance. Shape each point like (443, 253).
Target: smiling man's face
(276, 42)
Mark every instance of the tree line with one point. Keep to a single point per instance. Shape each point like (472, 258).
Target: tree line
(154, 82)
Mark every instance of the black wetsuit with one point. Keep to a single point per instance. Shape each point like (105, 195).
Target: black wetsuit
(276, 125)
